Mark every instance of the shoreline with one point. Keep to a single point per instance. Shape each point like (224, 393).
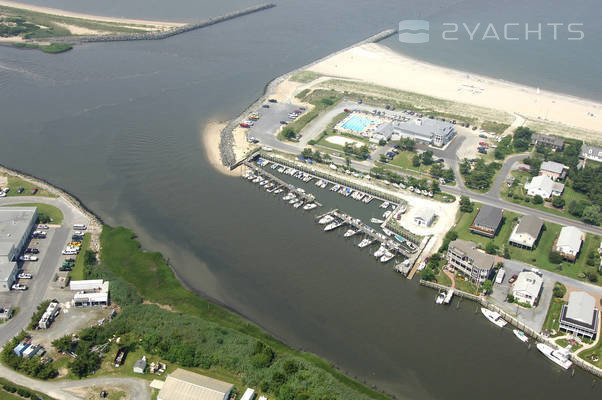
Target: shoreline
(210, 136)
(72, 14)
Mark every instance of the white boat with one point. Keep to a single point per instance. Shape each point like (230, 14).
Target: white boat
(288, 196)
(326, 219)
(421, 266)
(385, 204)
(440, 298)
(350, 233)
(263, 183)
(403, 208)
(387, 232)
(560, 357)
(381, 251)
(387, 257)
(279, 190)
(257, 180)
(332, 226)
(493, 317)
(310, 206)
(386, 214)
(376, 221)
(520, 335)
(297, 204)
(364, 243)
(293, 200)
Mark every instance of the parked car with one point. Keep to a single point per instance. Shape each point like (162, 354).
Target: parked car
(347, 110)
(34, 191)
(65, 268)
(20, 190)
(43, 227)
(18, 286)
(243, 125)
(32, 251)
(513, 278)
(266, 106)
(482, 135)
(273, 100)
(23, 275)
(283, 122)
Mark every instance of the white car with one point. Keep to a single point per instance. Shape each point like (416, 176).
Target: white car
(18, 286)
(33, 258)
(24, 258)
(69, 252)
(43, 227)
(23, 275)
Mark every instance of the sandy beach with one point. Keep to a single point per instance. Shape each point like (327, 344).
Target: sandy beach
(380, 65)
(210, 139)
(63, 13)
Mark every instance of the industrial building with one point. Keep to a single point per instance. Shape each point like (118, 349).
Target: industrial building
(92, 292)
(580, 315)
(186, 385)
(16, 223)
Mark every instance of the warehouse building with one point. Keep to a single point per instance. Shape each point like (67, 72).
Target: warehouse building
(16, 223)
(186, 385)
(430, 131)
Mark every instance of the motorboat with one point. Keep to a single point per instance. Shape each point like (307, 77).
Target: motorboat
(297, 204)
(387, 257)
(326, 219)
(560, 357)
(440, 298)
(520, 335)
(332, 226)
(365, 242)
(381, 251)
(386, 214)
(387, 232)
(385, 204)
(376, 221)
(310, 206)
(350, 233)
(493, 317)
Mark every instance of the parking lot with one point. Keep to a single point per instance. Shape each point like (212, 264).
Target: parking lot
(269, 121)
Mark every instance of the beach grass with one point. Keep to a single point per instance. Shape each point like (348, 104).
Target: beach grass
(15, 183)
(305, 76)
(47, 210)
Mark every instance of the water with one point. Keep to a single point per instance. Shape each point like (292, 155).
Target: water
(357, 123)
(119, 125)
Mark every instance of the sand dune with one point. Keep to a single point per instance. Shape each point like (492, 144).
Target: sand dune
(380, 65)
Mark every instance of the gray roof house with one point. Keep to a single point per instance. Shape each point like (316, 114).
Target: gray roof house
(591, 152)
(554, 142)
(140, 365)
(432, 131)
(580, 315)
(526, 233)
(464, 256)
(487, 221)
(553, 169)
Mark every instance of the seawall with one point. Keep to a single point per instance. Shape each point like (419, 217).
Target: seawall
(227, 139)
(165, 34)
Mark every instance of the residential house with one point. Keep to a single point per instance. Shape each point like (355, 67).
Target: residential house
(527, 287)
(553, 169)
(544, 186)
(580, 315)
(569, 242)
(554, 142)
(591, 153)
(487, 221)
(526, 233)
(464, 256)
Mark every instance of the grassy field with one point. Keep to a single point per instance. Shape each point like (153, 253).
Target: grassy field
(443, 279)
(594, 351)
(9, 396)
(553, 316)
(78, 270)
(305, 76)
(44, 209)
(154, 281)
(568, 195)
(15, 183)
(466, 286)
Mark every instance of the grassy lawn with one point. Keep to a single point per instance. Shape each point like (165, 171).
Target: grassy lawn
(552, 318)
(466, 286)
(15, 183)
(8, 396)
(522, 177)
(52, 212)
(565, 343)
(305, 76)
(443, 279)
(154, 280)
(404, 160)
(595, 351)
(78, 270)
(500, 239)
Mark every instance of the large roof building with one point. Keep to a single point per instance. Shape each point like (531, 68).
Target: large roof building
(526, 233)
(544, 186)
(580, 316)
(554, 142)
(591, 152)
(186, 385)
(16, 224)
(487, 221)
(464, 256)
(553, 169)
(431, 131)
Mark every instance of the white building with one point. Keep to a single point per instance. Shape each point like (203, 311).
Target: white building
(526, 233)
(544, 186)
(527, 287)
(591, 152)
(580, 315)
(186, 385)
(424, 217)
(16, 223)
(93, 292)
(464, 256)
(568, 243)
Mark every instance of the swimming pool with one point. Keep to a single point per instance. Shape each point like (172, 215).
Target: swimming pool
(357, 123)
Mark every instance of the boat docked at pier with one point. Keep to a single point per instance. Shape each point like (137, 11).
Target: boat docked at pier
(350, 233)
(376, 221)
(560, 357)
(326, 219)
(494, 317)
(333, 225)
(440, 298)
(381, 251)
(520, 335)
(309, 206)
(365, 242)
(388, 256)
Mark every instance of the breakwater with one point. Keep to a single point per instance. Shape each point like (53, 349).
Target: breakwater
(227, 138)
(167, 33)
(483, 301)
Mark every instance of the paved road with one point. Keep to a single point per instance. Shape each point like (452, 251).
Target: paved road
(497, 185)
(28, 300)
(138, 388)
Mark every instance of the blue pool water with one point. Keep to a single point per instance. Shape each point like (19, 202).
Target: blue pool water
(357, 123)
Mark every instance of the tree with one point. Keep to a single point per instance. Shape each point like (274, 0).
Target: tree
(307, 152)
(427, 274)
(383, 158)
(554, 257)
(577, 208)
(437, 170)
(435, 187)
(487, 286)
(522, 138)
(506, 253)
(85, 364)
(416, 160)
(491, 247)
(537, 199)
(407, 144)
(559, 290)
(591, 215)
(592, 276)
(288, 133)
(427, 157)
(465, 204)
(382, 142)
(347, 162)
(558, 202)
(510, 298)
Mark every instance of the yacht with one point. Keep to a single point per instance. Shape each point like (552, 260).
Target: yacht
(403, 208)
(335, 187)
(297, 204)
(560, 357)
(381, 251)
(326, 219)
(440, 298)
(521, 335)
(332, 226)
(258, 179)
(309, 206)
(376, 221)
(387, 257)
(386, 214)
(350, 233)
(264, 182)
(279, 190)
(293, 200)
(288, 196)
(367, 199)
(365, 242)
(493, 317)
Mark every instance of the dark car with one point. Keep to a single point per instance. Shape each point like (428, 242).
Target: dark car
(34, 190)
(397, 146)
(61, 268)
(20, 190)
(273, 100)
(474, 128)
(266, 106)
(513, 278)
(32, 251)
(283, 122)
